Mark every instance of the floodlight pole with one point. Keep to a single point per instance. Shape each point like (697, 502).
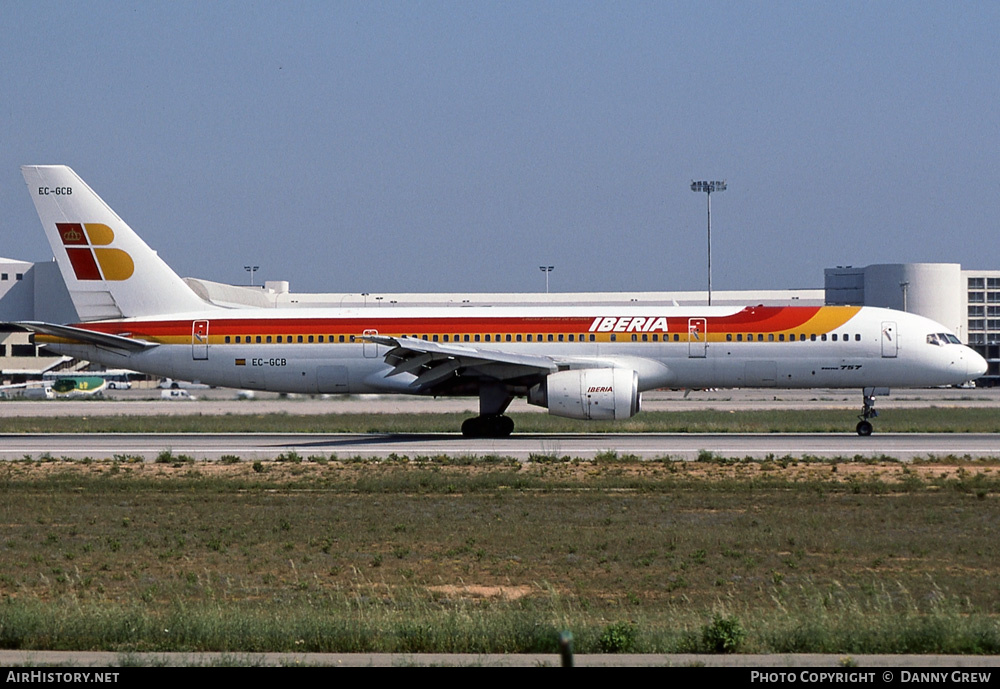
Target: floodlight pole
(546, 270)
(251, 270)
(708, 188)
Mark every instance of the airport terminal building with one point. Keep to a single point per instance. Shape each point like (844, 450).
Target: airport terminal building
(966, 301)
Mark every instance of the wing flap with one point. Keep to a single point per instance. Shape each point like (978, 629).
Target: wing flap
(434, 362)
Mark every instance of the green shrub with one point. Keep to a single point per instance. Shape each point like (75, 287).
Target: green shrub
(723, 635)
(619, 637)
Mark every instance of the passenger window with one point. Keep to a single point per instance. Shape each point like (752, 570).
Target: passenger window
(729, 337)
(227, 339)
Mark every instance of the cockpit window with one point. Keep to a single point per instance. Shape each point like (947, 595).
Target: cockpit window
(942, 339)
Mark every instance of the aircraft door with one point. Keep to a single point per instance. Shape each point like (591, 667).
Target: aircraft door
(199, 340)
(697, 337)
(890, 343)
(370, 349)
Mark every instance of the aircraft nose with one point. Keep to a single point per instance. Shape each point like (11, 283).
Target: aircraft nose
(976, 364)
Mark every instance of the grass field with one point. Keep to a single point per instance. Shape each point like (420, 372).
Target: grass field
(490, 555)
(918, 420)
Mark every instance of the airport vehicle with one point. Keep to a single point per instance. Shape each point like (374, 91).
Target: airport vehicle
(65, 386)
(171, 384)
(114, 379)
(585, 362)
(177, 394)
(118, 379)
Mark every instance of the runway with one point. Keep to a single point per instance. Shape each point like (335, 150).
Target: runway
(265, 446)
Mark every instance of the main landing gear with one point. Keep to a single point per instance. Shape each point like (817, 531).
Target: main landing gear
(868, 411)
(488, 426)
(491, 423)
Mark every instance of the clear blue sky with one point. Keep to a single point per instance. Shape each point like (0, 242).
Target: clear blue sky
(457, 146)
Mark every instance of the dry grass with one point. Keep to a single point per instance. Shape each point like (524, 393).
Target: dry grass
(663, 545)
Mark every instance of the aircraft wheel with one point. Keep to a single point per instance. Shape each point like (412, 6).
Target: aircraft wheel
(472, 428)
(864, 428)
(497, 426)
(506, 426)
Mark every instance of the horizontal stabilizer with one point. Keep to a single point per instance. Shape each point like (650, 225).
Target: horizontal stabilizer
(82, 336)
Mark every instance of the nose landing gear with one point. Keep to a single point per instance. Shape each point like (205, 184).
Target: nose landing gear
(868, 411)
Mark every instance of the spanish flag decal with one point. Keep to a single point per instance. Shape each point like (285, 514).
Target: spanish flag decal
(86, 246)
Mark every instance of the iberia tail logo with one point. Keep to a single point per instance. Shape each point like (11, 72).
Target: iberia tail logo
(86, 245)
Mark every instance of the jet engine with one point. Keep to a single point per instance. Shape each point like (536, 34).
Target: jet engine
(590, 393)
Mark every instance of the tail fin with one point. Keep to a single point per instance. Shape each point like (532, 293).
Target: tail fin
(109, 271)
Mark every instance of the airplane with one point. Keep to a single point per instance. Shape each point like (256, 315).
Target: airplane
(580, 362)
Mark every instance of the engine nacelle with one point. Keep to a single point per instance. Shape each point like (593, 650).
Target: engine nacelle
(590, 393)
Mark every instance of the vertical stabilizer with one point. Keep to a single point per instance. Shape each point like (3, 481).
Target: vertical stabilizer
(109, 271)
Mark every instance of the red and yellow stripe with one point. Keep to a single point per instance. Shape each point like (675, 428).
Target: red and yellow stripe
(767, 320)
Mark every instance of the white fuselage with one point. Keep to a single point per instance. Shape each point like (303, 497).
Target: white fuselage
(872, 348)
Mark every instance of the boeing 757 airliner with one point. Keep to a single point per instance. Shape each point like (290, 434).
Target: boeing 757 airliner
(584, 362)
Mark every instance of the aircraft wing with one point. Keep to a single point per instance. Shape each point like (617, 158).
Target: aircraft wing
(82, 336)
(434, 362)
